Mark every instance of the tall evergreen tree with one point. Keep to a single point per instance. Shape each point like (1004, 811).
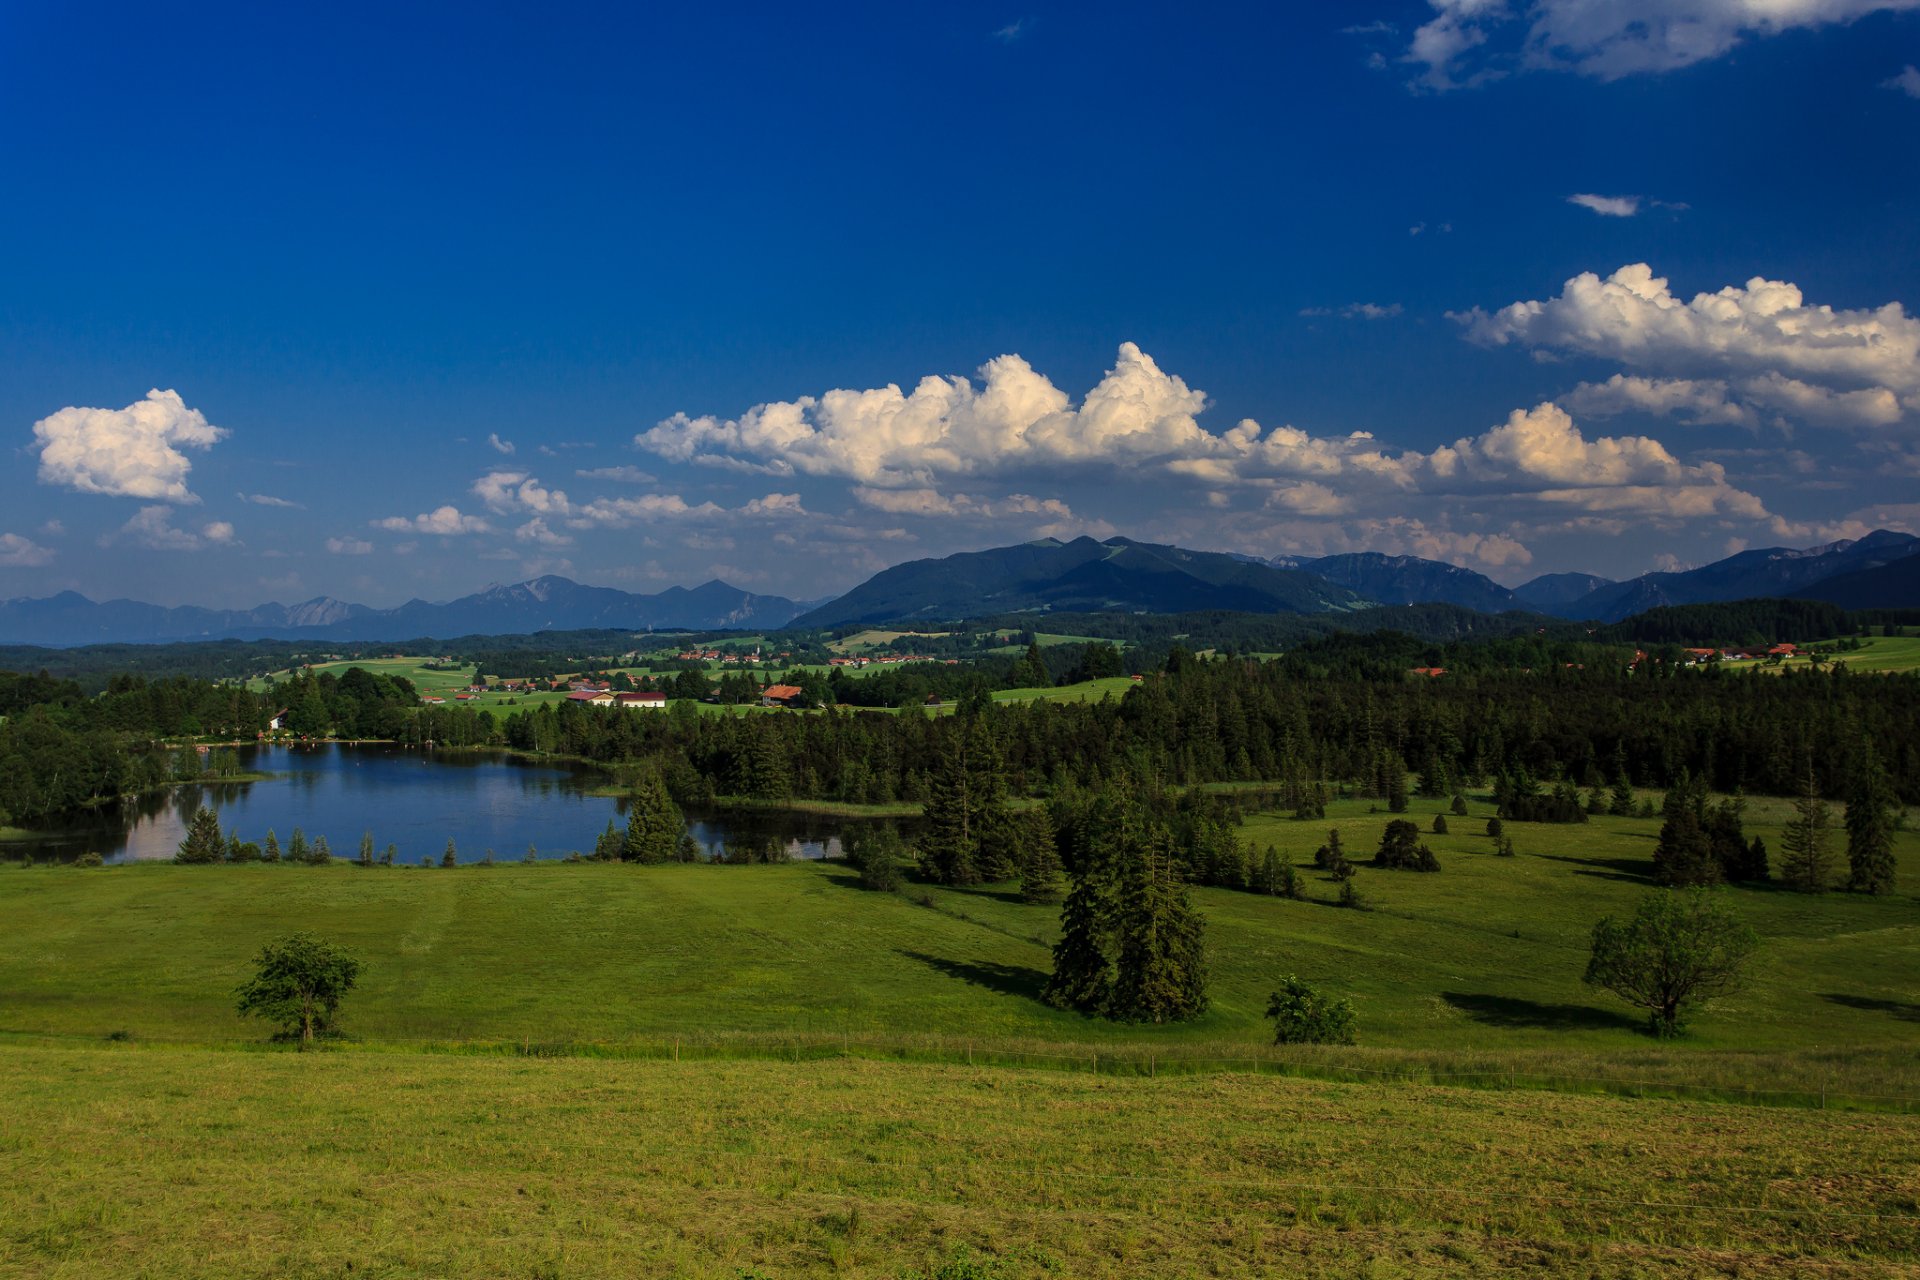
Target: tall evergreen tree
(1160, 972)
(204, 842)
(964, 807)
(1870, 867)
(1685, 856)
(1082, 971)
(1806, 861)
(654, 822)
(1039, 858)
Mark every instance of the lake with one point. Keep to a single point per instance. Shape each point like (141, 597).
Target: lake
(411, 798)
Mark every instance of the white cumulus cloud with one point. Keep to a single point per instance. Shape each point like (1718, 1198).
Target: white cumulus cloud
(446, 521)
(349, 546)
(153, 527)
(133, 452)
(1466, 42)
(20, 552)
(1907, 81)
(947, 426)
(1771, 349)
(499, 445)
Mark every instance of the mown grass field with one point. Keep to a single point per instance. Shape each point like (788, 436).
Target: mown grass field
(133, 1161)
(1884, 653)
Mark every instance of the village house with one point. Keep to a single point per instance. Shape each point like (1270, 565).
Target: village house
(641, 701)
(591, 697)
(780, 695)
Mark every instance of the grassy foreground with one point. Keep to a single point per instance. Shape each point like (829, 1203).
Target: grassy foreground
(140, 1161)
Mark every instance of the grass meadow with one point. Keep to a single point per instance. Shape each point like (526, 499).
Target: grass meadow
(577, 1070)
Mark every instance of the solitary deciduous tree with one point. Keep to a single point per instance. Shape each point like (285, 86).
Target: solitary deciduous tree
(1680, 948)
(1302, 1015)
(298, 984)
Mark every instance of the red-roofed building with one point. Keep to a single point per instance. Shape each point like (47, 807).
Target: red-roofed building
(780, 695)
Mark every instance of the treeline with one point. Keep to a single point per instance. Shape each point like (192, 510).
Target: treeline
(1239, 721)
(1734, 624)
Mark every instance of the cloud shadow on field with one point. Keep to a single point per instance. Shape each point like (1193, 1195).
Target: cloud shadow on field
(1904, 1010)
(1512, 1013)
(1007, 979)
(1633, 870)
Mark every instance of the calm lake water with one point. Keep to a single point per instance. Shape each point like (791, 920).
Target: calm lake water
(410, 798)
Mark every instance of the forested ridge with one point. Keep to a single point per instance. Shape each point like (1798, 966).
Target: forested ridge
(1337, 710)
(1237, 721)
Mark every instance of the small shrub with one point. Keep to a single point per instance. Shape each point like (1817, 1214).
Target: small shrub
(1350, 896)
(1494, 827)
(89, 859)
(1303, 1015)
(1439, 824)
(1459, 806)
(451, 858)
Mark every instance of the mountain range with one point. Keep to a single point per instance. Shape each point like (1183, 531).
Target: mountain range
(1083, 575)
(1880, 570)
(542, 604)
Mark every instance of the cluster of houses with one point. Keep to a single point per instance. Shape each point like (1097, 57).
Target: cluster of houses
(608, 698)
(1696, 657)
(727, 659)
(888, 659)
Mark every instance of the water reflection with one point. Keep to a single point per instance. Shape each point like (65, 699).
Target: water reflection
(486, 803)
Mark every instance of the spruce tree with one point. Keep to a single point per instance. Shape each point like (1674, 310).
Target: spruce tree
(610, 844)
(1870, 867)
(1082, 973)
(1620, 802)
(654, 822)
(1806, 861)
(366, 848)
(450, 858)
(204, 842)
(1039, 859)
(964, 806)
(321, 854)
(1160, 956)
(1265, 874)
(1684, 855)
(271, 852)
(297, 846)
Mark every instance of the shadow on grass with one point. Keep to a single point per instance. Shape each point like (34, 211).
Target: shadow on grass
(1632, 870)
(1904, 1010)
(1007, 979)
(1515, 1014)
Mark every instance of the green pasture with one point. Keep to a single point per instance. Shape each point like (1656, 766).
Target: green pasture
(1483, 958)
(731, 1072)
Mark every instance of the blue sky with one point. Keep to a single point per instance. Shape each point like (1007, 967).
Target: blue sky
(471, 294)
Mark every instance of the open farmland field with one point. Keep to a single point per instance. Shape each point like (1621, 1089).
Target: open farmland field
(209, 1163)
(1084, 691)
(1884, 653)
